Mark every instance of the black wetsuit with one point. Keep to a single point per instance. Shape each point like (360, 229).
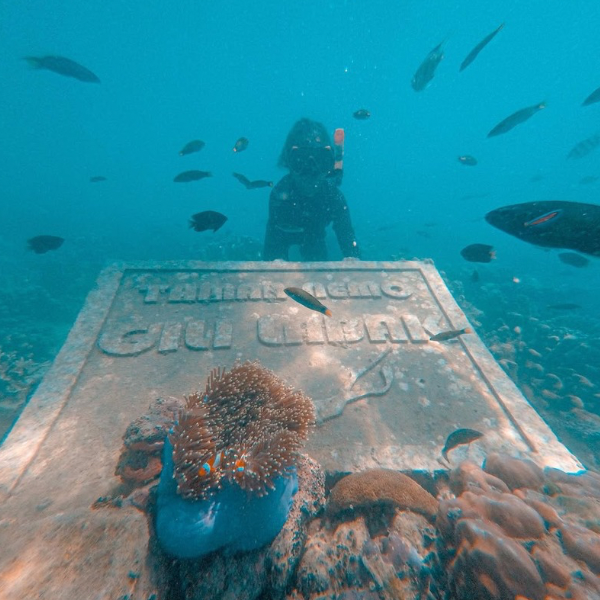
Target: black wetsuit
(298, 219)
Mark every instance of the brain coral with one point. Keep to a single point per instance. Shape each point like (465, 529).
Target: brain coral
(381, 486)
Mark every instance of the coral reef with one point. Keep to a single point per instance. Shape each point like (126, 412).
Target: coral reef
(519, 532)
(553, 357)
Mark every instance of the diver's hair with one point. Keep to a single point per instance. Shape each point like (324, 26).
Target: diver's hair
(304, 132)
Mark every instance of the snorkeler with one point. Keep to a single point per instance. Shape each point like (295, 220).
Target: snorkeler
(307, 200)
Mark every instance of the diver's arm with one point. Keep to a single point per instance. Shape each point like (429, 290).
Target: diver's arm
(342, 225)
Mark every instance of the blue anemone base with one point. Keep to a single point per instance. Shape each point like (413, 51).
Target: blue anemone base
(232, 519)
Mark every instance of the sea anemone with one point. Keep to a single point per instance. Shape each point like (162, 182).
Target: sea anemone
(247, 428)
(229, 463)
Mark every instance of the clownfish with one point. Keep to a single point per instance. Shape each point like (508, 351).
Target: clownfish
(211, 464)
(240, 465)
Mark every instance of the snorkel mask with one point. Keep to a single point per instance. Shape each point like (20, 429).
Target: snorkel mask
(311, 160)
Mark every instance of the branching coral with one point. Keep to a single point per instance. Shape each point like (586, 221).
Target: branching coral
(246, 427)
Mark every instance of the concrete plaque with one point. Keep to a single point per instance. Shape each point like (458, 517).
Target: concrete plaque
(386, 395)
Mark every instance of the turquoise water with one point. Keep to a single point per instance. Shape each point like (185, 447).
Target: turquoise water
(219, 71)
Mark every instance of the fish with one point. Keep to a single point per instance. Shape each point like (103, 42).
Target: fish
(191, 147)
(551, 224)
(459, 438)
(208, 219)
(97, 178)
(211, 464)
(241, 144)
(481, 253)
(475, 276)
(62, 66)
(40, 244)
(187, 176)
(584, 147)
(444, 336)
(468, 160)
(361, 114)
(252, 185)
(564, 306)
(477, 49)
(592, 98)
(306, 299)
(588, 179)
(573, 259)
(516, 119)
(426, 70)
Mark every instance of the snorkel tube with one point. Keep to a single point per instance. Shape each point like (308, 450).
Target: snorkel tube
(338, 155)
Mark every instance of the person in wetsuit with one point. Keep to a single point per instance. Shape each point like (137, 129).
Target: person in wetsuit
(307, 199)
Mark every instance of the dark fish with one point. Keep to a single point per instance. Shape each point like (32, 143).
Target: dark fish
(552, 224)
(458, 438)
(482, 44)
(62, 66)
(481, 253)
(97, 178)
(564, 306)
(444, 336)
(208, 219)
(468, 160)
(241, 144)
(516, 119)
(40, 244)
(187, 176)
(592, 98)
(536, 178)
(252, 185)
(306, 299)
(426, 70)
(475, 276)
(191, 147)
(575, 260)
(584, 147)
(362, 114)
(588, 179)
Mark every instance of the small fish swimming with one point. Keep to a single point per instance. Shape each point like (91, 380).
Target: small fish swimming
(444, 336)
(362, 114)
(552, 224)
(40, 244)
(97, 178)
(241, 144)
(482, 44)
(564, 306)
(573, 259)
(208, 219)
(592, 98)
(306, 299)
(426, 70)
(252, 185)
(482, 253)
(588, 179)
(468, 160)
(212, 464)
(516, 119)
(191, 147)
(584, 147)
(62, 66)
(188, 176)
(459, 438)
